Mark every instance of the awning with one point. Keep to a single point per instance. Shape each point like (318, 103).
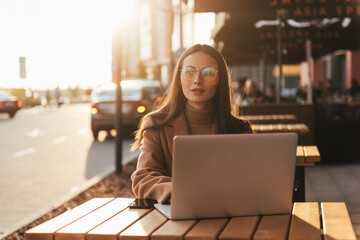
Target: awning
(242, 40)
(330, 25)
(294, 8)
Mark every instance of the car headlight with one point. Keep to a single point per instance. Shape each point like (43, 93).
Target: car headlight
(140, 109)
(93, 109)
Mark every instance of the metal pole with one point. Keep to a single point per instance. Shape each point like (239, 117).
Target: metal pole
(181, 24)
(308, 58)
(279, 58)
(117, 69)
(118, 140)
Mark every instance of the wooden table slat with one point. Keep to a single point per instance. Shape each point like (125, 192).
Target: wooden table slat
(240, 228)
(312, 154)
(79, 228)
(300, 156)
(305, 222)
(299, 128)
(336, 221)
(115, 225)
(274, 118)
(173, 230)
(273, 227)
(143, 228)
(266, 128)
(46, 230)
(207, 229)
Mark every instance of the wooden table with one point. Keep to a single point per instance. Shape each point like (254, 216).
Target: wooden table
(109, 218)
(306, 156)
(273, 118)
(299, 128)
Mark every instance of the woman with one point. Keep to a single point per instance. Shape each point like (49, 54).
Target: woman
(198, 102)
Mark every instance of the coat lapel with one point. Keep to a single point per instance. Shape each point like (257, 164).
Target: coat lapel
(177, 127)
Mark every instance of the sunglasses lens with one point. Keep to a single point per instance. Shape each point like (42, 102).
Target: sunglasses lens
(209, 73)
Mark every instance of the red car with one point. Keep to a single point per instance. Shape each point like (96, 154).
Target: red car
(9, 103)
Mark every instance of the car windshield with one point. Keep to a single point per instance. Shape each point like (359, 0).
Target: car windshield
(129, 93)
(132, 90)
(106, 95)
(147, 89)
(4, 95)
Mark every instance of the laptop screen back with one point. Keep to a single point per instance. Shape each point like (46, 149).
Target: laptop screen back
(232, 175)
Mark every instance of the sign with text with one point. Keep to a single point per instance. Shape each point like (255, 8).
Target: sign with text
(294, 8)
(22, 67)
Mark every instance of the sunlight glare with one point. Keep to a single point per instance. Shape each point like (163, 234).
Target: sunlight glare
(66, 43)
(204, 24)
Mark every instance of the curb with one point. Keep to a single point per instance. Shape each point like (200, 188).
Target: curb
(91, 182)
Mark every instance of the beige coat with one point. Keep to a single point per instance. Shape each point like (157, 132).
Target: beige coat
(152, 178)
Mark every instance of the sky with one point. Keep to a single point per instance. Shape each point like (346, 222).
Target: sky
(65, 42)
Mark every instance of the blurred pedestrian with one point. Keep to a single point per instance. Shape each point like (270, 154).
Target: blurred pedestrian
(57, 95)
(47, 101)
(270, 93)
(198, 102)
(319, 90)
(239, 90)
(354, 91)
(330, 89)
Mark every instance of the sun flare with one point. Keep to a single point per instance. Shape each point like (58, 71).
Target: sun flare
(65, 43)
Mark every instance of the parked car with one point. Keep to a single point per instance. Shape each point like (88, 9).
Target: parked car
(138, 97)
(9, 103)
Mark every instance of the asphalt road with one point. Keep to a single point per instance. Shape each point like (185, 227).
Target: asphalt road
(48, 155)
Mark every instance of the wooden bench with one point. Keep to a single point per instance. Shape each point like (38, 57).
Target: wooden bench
(299, 128)
(307, 155)
(305, 113)
(108, 218)
(273, 118)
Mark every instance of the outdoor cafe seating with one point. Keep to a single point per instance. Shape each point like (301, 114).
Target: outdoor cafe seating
(110, 218)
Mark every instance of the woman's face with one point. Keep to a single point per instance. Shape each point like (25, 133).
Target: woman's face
(199, 79)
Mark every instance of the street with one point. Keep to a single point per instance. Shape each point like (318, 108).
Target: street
(47, 156)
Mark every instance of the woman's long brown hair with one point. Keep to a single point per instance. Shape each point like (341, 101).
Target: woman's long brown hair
(174, 102)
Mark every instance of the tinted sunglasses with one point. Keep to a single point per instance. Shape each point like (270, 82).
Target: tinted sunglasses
(207, 73)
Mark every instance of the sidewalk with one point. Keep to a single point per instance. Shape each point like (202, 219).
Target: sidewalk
(10, 229)
(336, 183)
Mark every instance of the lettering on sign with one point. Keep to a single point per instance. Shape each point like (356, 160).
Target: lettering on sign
(319, 8)
(22, 67)
(282, 3)
(265, 35)
(338, 11)
(290, 45)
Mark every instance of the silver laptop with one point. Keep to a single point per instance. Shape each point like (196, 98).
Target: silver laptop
(231, 175)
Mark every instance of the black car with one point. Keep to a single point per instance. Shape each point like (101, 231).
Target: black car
(138, 97)
(9, 103)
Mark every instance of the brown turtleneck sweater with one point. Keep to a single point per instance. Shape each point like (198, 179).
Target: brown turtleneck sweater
(199, 121)
(152, 177)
